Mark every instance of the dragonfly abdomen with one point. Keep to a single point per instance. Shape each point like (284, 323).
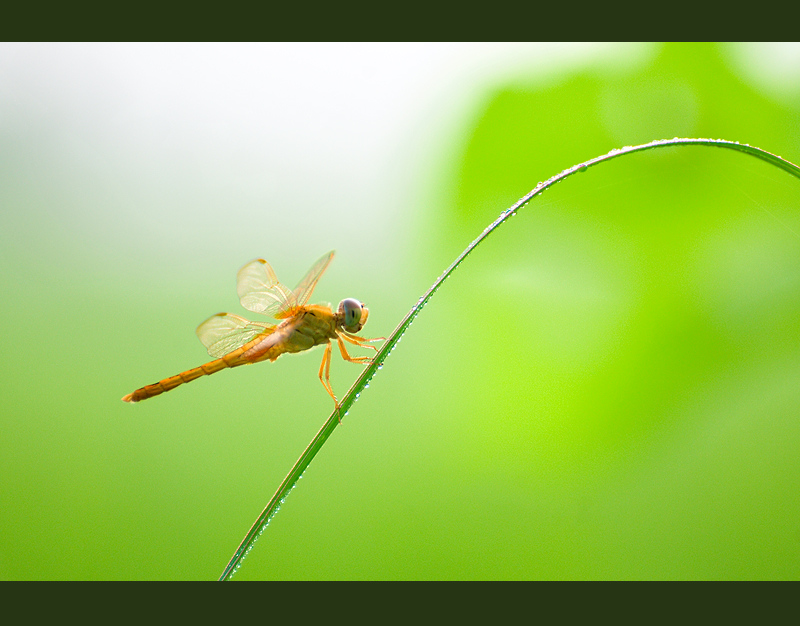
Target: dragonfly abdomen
(168, 384)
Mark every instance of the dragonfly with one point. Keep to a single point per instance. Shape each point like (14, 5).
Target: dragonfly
(235, 341)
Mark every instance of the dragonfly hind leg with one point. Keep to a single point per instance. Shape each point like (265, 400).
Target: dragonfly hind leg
(325, 374)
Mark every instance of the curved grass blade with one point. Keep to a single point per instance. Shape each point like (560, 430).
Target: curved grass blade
(363, 381)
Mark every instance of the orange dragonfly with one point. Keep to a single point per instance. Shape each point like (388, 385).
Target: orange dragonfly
(236, 341)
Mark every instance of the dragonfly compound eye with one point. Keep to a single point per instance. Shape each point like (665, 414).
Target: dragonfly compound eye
(352, 314)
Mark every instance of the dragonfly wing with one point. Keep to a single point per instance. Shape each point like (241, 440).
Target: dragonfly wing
(260, 291)
(304, 288)
(225, 332)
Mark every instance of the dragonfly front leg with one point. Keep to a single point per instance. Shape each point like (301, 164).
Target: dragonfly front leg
(353, 359)
(360, 341)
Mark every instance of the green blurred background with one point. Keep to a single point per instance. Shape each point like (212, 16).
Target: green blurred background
(609, 387)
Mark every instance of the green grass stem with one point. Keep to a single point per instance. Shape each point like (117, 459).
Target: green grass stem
(363, 381)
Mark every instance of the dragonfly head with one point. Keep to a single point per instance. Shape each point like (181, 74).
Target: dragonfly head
(352, 315)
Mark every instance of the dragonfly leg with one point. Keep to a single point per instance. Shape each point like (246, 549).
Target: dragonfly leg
(353, 359)
(325, 374)
(360, 341)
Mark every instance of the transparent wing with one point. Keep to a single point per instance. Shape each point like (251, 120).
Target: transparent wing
(304, 288)
(260, 291)
(225, 332)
